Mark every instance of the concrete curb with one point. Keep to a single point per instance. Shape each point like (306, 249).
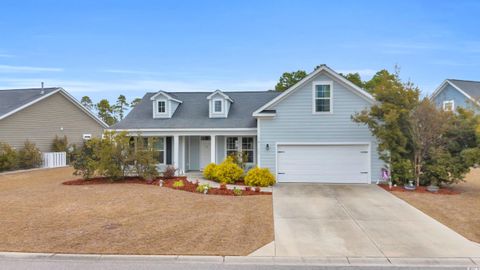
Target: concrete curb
(266, 260)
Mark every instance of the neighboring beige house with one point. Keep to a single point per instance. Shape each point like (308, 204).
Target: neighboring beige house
(38, 114)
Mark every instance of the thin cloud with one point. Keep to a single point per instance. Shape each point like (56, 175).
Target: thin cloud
(138, 87)
(133, 72)
(27, 69)
(6, 55)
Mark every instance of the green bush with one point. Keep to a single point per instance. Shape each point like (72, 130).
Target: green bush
(115, 155)
(237, 192)
(178, 184)
(202, 188)
(209, 171)
(402, 171)
(8, 157)
(261, 177)
(60, 144)
(86, 158)
(29, 156)
(144, 159)
(228, 172)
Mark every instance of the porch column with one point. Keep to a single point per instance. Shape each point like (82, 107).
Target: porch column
(213, 147)
(176, 152)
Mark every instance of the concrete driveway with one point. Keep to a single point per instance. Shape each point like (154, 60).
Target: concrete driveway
(358, 221)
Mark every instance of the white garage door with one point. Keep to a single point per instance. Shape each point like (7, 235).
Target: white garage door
(323, 163)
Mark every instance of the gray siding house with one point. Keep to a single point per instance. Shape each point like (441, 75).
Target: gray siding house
(39, 114)
(452, 94)
(304, 134)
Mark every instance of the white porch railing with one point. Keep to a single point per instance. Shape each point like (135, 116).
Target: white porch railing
(54, 159)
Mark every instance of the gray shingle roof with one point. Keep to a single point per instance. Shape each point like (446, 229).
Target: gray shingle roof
(193, 112)
(472, 88)
(12, 99)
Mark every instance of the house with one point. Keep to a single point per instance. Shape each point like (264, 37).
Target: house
(38, 114)
(304, 134)
(452, 94)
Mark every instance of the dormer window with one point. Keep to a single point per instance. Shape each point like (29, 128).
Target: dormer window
(218, 106)
(164, 104)
(161, 106)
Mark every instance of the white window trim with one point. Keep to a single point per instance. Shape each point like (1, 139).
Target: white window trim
(164, 148)
(314, 96)
(239, 149)
(446, 102)
(221, 106)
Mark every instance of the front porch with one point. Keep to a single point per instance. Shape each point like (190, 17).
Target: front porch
(191, 153)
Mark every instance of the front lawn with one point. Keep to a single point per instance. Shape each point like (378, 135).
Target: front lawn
(39, 214)
(461, 212)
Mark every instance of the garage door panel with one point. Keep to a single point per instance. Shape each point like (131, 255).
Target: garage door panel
(323, 163)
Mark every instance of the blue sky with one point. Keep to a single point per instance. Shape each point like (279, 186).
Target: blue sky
(106, 48)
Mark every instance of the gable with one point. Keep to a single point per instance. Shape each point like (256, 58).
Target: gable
(323, 70)
(344, 101)
(40, 122)
(448, 92)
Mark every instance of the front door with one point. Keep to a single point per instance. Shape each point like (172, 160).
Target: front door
(204, 151)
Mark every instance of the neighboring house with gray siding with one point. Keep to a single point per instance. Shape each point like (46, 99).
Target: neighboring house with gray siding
(38, 114)
(453, 94)
(304, 134)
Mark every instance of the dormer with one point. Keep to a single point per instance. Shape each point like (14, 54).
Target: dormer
(219, 104)
(164, 105)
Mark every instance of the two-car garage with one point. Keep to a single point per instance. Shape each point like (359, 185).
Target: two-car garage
(323, 163)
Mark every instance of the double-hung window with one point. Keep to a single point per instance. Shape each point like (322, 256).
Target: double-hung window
(322, 97)
(232, 146)
(243, 145)
(217, 106)
(448, 105)
(161, 106)
(158, 145)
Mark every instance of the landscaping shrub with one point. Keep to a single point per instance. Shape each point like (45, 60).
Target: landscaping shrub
(60, 144)
(178, 184)
(259, 177)
(86, 158)
(237, 192)
(240, 158)
(202, 188)
(29, 156)
(228, 172)
(143, 158)
(8, 157)
(169, 172)
(115, 155)
(402, 171)
(209, 171)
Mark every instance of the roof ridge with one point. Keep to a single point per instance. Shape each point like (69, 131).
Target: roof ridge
(25, 89)
(205, 92)
(463, 80)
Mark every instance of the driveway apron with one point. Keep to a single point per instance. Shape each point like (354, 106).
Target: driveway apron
(358, 221)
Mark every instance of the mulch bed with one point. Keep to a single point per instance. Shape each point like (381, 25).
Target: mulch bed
(188, 186)
(420, 189)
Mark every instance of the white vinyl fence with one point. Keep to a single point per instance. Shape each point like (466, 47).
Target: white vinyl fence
(54, 159)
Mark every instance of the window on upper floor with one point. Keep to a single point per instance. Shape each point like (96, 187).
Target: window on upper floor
(322, 94)
(448, 105)
(161, 106)
(218, 106)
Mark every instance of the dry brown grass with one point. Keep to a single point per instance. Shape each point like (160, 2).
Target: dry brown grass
(38, 214)
(459, 212)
